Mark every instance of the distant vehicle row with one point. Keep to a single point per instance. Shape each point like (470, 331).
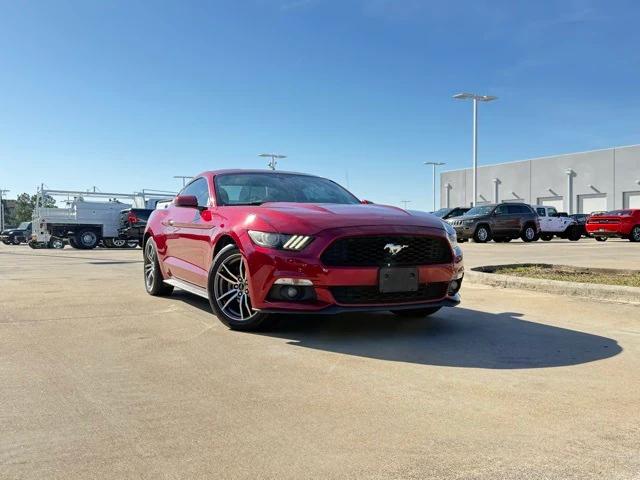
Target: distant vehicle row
(504, 222)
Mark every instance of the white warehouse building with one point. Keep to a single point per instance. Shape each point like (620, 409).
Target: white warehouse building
(582, 182)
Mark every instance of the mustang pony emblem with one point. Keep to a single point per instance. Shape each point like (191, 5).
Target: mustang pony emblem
(394, 249)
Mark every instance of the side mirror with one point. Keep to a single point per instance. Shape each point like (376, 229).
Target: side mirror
(188, 201)
(366, 202)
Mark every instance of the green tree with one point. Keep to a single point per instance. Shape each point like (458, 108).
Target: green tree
(25, 204)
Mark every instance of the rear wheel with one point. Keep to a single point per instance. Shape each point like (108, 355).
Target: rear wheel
(229, 293)
(601, 239)
(416, 312)
(529, 234)
(546, 237)
(72, 242)
(87, 239)
(635, 234)
(574, 234)
(482, 234)
(153, 282)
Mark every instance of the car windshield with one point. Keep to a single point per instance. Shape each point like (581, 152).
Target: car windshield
(257, 188)
(619, 212)
(481, 210)
(23, 226)
(442, 212)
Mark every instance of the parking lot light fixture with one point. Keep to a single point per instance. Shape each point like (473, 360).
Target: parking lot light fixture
(434, 164)
(274, 159)
(475, 98)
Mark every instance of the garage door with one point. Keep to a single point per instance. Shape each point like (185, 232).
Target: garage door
(556, 202)
(592, 203)
(631, 199)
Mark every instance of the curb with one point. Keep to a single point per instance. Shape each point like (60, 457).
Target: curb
(611, 293)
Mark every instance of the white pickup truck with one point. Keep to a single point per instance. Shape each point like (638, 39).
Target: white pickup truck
(556, 224)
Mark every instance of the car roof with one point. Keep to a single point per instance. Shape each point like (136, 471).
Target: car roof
(232, 171)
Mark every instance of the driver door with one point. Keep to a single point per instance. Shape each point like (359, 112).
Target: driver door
(189, 246)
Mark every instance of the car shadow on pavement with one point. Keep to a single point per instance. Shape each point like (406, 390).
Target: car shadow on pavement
(453, 337)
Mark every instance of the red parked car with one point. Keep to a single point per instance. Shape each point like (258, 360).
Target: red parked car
(257, 243)
(618, 223)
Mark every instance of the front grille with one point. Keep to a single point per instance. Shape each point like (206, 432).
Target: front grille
(372, 294)
(371, 252)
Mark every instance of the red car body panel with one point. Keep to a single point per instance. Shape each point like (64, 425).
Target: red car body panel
(186, 240)
(613, 225)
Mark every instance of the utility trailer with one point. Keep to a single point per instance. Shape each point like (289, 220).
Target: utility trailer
(87, 221)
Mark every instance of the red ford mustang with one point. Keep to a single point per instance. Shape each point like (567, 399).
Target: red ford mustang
(618, 223)
(257, 243)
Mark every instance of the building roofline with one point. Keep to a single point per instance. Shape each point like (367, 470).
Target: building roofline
(509, 162)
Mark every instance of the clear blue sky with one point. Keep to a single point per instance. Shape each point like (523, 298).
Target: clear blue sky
(125, 94)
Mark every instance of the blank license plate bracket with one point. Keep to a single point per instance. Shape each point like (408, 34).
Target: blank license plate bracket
(398, 279)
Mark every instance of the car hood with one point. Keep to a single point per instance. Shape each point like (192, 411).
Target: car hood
(468, 217)
(306, 218)
(10, 232)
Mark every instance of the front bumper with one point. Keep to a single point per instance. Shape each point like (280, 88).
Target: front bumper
(268, 265)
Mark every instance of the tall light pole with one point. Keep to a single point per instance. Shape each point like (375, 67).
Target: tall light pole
(434, 164)
(2, 192)
(274, 159)
(476, 99)
(184, 178)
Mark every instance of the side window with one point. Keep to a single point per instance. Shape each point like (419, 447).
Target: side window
(455, 213)
(553, 212)
(502, 210)
(199, 189)
(519, 209)
(541, 212)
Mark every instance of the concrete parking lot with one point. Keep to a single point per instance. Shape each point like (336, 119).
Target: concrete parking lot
(100, 380)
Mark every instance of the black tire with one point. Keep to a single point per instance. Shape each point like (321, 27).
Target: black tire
(87, 239)
(56, 243)
(601, 239)
(132, 244)
(545, 237)
(416, 312)
(482, 234)
(32, 244)
(16, 241)
(107, 243)
(229, 292)
(153, 281)
(6, 242)
(72, 242)
(498, 239)
(635, 234)
(529, 233)
(574, 235)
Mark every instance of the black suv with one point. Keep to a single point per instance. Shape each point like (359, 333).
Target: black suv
(18, 235)
(503, 222)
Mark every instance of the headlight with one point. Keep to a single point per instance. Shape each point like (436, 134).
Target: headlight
(467, 222)
(280, 241)
(451, 234)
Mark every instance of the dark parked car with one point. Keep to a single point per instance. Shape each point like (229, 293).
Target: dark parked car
(133, 221)
(502, 222)
(18, 235)
(581, 221)
(447, 213)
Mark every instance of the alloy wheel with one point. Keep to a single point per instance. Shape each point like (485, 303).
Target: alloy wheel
(119, 243)
(530, 233)
(149, 265)
(635, 234)
(482, 234)
(231, 289)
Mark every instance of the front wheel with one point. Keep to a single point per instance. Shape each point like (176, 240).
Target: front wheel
(635, 234)
(416, 312)
(15, 241)
(482, 235)
(56, 243)
(229, 293)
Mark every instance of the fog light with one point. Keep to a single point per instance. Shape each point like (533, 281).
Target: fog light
(291, 292)
(454, 287)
